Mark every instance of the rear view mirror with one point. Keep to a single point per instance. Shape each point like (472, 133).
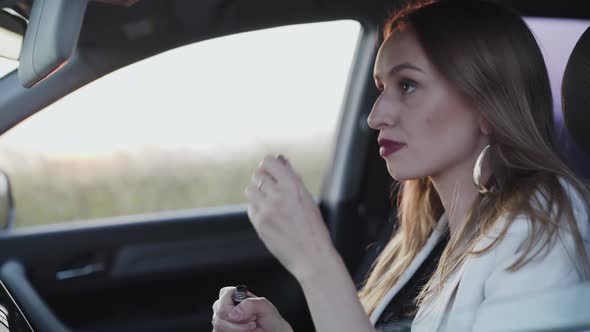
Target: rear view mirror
(12, 31)
(51, 38)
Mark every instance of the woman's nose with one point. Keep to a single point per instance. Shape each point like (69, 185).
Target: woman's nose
(382, 115)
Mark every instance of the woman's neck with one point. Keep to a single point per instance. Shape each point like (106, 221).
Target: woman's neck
(457, 191)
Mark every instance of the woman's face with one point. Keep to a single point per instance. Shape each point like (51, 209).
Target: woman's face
(418, 108)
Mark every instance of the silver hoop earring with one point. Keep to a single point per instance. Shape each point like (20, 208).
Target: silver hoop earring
(477, 171)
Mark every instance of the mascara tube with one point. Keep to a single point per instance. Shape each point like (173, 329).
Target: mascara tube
(240, 294)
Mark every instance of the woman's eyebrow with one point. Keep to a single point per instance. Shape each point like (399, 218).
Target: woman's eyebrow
(397, 68)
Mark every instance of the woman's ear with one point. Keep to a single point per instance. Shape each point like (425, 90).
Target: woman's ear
(484, 126)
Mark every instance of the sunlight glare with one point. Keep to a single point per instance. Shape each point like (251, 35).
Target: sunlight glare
(217, 96)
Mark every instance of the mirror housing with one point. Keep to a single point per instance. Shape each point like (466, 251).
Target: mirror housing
(6, 202)
(51, 38)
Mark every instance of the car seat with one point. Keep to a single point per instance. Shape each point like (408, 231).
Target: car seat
(572, 133)
(574, 137)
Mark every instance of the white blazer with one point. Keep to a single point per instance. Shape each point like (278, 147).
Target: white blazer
(483, 279)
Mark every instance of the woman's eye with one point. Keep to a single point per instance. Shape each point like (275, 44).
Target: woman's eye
(407, 86)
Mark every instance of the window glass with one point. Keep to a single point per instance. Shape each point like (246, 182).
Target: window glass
(184, 129)
(10, 43)
(7, 66)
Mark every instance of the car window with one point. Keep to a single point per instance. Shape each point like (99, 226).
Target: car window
(10, 43)
(184, 129)
(7, 66)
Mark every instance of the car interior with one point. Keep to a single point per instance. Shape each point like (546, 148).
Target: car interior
(163, 272)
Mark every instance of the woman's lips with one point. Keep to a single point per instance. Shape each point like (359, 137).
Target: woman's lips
(389, 147)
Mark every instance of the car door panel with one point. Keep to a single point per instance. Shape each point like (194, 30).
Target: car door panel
(151, 274)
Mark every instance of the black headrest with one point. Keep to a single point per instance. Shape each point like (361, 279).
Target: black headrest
(575, 92)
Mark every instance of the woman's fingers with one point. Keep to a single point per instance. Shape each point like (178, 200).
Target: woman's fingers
(225, 291)
(255, 198)
(222, 325)
(225, 304)
(261, 173)
(271, 176)
(278, 169)
(264, 183)
(255, 306)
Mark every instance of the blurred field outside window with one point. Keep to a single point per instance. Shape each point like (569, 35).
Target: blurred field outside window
(184, 129)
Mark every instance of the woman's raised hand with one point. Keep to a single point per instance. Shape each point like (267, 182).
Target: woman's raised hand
(287, 218)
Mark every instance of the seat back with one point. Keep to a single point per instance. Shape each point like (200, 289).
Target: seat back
(575, 90)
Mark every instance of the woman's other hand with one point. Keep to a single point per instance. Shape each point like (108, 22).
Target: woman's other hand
(287, 218)
(254, 314)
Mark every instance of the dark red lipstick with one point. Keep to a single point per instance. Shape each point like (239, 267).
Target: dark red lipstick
(388, 147)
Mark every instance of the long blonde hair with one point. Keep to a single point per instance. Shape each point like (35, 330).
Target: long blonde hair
(490, 56)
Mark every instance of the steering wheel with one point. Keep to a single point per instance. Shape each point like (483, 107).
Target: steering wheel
(27, 302)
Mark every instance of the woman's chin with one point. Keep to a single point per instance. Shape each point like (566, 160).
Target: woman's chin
(399, 175)
(396, 174)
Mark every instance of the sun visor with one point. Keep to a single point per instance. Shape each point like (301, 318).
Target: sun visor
(51, 38)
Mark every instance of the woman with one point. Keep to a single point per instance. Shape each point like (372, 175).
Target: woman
(465, 100)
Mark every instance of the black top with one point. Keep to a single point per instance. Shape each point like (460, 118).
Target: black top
(400, 311)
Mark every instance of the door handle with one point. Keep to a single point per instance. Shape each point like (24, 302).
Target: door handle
(84, 271)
